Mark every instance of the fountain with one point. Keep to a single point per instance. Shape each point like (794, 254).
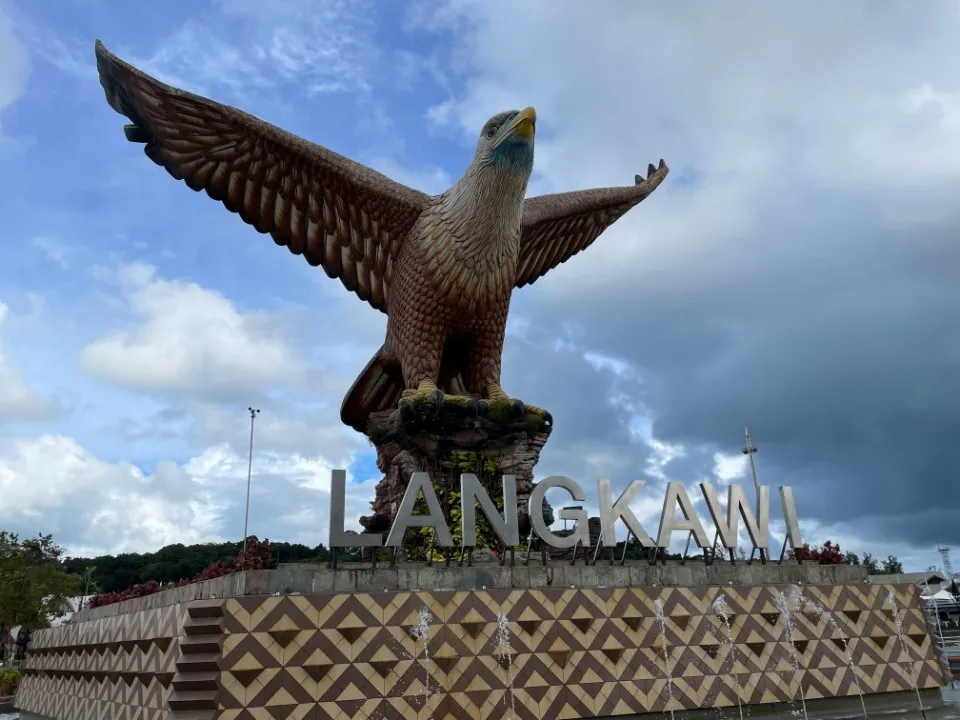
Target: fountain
(421, 632)
(722, 611)
(892, 599)
(662, 622)
(831, 621)
(787, 606)
(502, 640)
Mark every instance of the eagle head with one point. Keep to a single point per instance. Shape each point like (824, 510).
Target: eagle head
(506, 141)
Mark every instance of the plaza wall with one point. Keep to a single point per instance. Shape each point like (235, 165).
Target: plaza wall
(269, 645)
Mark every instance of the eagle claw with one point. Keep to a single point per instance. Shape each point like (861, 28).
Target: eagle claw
(437, 396)
(477, 408)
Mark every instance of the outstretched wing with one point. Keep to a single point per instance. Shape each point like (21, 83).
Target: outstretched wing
(338, 214)
(557, 227)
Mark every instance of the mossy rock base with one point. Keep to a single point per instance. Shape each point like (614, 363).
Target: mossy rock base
(453, 423)
(446, 444)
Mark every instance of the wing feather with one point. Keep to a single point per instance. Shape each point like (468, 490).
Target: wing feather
(557, 227)
(337, 214)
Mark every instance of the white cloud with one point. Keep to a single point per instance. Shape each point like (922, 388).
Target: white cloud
(319, 47)
(729, 467)
(14, 68)
(52, 484)
(190, 340)
(13, 63)
(17, 401)
(55, 251)
(735, 96)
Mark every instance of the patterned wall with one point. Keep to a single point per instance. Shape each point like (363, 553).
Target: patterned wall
(125, 666)
(573, 653)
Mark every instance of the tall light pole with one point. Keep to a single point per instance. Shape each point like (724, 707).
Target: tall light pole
(246, 516)
(749, 449)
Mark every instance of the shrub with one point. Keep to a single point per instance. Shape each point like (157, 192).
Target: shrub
(828, 554)
(9, 680)
(256, 557)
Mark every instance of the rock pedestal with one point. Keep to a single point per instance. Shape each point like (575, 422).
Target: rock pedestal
(446, 445)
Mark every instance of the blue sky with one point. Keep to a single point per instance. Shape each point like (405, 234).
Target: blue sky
(141, 319)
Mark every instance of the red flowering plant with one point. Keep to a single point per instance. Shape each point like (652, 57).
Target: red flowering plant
(827, 554)
(257, 556)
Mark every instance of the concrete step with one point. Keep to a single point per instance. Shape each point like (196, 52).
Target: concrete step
(197, 700)
(201, 662)
(200, 645)
(203, 626)
(195, 682)
(205, 608)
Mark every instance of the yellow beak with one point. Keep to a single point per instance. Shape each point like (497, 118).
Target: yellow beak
(525, 122)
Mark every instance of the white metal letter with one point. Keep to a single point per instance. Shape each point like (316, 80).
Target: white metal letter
(677, 496)
(419, 482)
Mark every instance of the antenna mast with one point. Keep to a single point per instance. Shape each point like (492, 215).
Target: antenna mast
(945, 557)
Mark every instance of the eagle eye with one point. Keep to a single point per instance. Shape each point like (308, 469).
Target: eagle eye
(491, 131)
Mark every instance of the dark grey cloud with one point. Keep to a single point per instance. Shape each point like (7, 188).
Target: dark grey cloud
(845, 366)
(592, 435)
(797, 272)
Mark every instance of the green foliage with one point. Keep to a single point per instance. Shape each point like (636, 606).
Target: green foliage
(9, 680)
(373, 432)
(173, 563)
(33, 580)
(868, 561)
(500, 413)
(419, 543)
(891, 566)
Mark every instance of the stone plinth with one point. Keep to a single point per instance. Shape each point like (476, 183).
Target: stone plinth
(582, 643)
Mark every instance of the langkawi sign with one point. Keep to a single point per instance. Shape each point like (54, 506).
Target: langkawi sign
(506, 526)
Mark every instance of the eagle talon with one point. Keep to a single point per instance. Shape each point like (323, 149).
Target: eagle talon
(519, 409)
(404, 407)
(437, 396)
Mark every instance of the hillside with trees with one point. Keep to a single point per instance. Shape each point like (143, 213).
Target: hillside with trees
(173, 563)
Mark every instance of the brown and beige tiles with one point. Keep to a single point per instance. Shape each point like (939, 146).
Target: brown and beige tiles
(573, 653)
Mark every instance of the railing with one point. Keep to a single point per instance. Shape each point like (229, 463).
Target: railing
(947, 641)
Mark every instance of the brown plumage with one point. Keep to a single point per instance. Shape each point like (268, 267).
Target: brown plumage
(441, 267)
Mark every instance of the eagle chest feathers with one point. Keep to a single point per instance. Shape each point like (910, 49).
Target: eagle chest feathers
(470, 257)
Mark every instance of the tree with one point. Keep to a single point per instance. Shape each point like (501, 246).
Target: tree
(170, 564)
(870, 564)
(850, 558)
(891, 566)
(257, 556)
(33, 581)
(88, 585)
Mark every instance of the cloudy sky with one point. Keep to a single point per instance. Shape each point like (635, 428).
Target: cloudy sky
(796, 272)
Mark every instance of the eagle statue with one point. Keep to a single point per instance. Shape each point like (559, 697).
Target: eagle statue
(441, 267)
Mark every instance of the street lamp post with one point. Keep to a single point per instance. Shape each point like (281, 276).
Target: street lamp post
(246, 516)
(749, 449)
